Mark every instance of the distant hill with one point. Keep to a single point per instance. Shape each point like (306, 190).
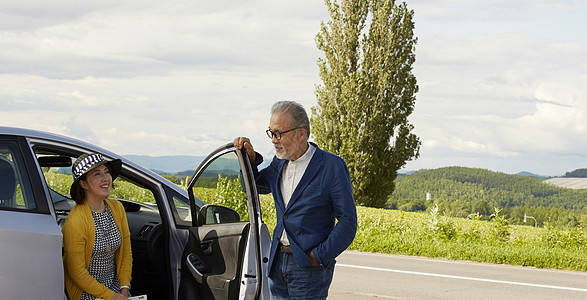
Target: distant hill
(525, 173)
(168, 164)
(470, 185)
(579, 173)
(464, 192)
(180, 165)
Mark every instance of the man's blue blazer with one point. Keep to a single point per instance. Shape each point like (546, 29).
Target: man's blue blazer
(323, 194)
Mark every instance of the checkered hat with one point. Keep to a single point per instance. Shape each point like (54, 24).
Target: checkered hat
(88, 162)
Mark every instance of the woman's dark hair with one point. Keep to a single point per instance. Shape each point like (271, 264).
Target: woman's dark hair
(79, 194)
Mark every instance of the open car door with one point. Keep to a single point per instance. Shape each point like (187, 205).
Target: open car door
(228, 246)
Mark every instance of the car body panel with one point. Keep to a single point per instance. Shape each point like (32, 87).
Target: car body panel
(31, 255)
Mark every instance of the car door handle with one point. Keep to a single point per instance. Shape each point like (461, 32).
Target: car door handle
(206, 247)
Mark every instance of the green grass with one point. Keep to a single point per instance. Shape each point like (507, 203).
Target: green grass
(429, 234)
(432, 235)
(398, 232)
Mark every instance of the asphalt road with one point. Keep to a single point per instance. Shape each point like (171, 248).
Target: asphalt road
(361, 275)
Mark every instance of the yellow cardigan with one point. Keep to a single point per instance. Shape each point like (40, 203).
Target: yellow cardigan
(79, 234)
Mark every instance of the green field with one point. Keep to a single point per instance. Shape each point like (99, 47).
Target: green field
(429, 233)
(432, 235)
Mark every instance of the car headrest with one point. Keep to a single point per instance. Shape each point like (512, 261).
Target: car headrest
(7, 180)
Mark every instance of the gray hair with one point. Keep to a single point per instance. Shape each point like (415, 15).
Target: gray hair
(297, 112)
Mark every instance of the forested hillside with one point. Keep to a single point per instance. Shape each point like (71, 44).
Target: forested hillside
(577, 173)
(461, 192)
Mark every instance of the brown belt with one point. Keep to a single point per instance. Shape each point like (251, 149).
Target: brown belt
(285, 248)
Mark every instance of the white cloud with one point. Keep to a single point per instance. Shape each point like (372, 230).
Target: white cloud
(499, 90)
(73, 127)
(499, 81)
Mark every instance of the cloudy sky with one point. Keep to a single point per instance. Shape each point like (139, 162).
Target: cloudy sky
(503, 84)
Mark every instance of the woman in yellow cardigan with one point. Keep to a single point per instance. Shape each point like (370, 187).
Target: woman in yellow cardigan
(96, 238)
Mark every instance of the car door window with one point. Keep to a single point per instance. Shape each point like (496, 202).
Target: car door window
(221, 183)
(15, 187)
(180, 209)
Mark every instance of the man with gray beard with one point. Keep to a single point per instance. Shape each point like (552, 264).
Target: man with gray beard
(311, 189)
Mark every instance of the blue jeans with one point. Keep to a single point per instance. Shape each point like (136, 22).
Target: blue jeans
(289, 281)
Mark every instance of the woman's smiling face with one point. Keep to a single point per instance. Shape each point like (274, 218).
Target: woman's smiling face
(98, 182)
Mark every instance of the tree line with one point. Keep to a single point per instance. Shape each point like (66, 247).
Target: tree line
(582, 173)
(475, 193)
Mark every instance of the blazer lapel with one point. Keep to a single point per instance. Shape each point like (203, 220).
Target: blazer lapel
(313, 167)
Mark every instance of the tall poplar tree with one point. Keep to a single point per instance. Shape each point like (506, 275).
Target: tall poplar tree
(367, 93)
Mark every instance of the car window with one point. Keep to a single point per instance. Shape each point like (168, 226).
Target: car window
(221, 183)
(180, 208)
(129, 190)
(15, 187)
(59, 180)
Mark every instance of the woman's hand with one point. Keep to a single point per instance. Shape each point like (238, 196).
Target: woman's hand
(120, 296)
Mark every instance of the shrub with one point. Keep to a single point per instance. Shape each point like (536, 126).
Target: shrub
(571, 239)
(443, 228)
(500, 227)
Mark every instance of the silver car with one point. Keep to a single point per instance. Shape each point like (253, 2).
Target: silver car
(182, 248)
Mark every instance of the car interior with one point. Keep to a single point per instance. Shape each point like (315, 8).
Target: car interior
(15, 190)
(150, 270)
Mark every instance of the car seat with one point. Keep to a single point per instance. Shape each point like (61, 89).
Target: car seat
(7, 183)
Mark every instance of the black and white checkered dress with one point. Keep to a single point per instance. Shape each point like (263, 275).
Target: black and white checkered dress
(102, 265)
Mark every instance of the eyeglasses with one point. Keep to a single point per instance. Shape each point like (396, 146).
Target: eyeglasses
(277, 134)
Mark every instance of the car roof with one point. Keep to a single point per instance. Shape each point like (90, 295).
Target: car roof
(42, 135)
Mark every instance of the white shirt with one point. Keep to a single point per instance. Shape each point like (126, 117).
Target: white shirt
(290, 177)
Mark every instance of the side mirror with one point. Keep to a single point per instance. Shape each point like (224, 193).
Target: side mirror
(216, 214)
